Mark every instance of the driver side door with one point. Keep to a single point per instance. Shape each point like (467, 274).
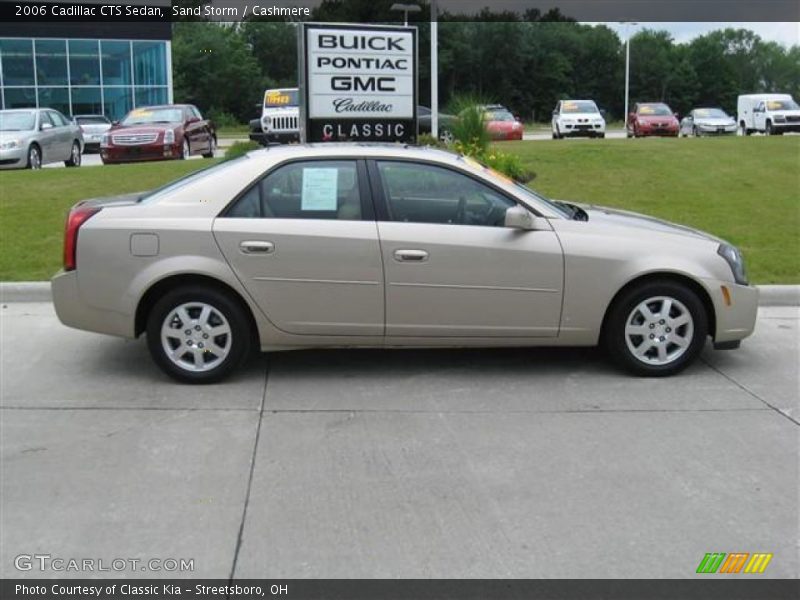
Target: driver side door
(759, 116)
(451, 267)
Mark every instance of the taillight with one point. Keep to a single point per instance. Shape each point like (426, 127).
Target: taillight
(77, 217)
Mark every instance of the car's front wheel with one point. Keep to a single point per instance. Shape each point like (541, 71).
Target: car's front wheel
(656, 329)
(198, 335)
(34, 157)
(186, 151)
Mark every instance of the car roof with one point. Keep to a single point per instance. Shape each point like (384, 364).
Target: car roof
(349, 149)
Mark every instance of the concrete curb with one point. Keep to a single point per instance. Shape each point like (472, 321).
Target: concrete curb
(39, 291)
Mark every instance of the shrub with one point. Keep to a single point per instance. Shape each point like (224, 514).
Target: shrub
(223, 119)
(469, 128)
(426, 139)
(508, 164)
(238, 149)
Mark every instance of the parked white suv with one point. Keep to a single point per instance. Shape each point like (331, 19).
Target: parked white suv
(772, 114)
(578, 118)
(280, 117)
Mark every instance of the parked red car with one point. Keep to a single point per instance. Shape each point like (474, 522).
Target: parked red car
(174, 131)
(652, 118)
(501, 124)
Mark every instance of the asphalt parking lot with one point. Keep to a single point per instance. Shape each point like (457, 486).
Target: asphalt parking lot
(423, 464)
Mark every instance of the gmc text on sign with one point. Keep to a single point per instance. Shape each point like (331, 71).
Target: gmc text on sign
(360, 83)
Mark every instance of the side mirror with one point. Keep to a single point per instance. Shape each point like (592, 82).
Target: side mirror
(555, 113)
(518, 217)
(46, 126)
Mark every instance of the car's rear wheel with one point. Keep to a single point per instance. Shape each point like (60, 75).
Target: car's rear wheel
(74, 159)
(656, 329)
(34, 157)
(197, 334)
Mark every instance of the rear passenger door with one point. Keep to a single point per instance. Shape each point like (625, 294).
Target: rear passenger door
(304, 242)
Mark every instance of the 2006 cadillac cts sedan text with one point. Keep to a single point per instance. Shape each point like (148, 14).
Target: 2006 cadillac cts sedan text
(381, 246)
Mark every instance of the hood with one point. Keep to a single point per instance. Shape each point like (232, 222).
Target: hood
(17, 135)
(149, 128)
(624, 218)
(714, 121)
(786, 113)
(589, 116)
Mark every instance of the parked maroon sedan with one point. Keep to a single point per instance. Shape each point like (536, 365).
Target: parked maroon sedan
(652, 118)
(159, 133)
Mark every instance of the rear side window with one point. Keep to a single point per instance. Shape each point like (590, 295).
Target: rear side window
(304, 190)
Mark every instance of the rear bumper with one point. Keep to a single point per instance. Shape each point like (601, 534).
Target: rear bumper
(73, 311)
(123, 154)
(737, 320)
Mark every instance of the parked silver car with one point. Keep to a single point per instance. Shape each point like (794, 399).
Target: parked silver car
(92, 127)
(708, 121)
(32, 137)
(356, 245)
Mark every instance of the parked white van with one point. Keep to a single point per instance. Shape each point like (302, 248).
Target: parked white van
(772, 114)
(280, 117)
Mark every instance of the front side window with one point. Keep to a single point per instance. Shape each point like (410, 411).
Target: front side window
(421, 193)
(304, 190)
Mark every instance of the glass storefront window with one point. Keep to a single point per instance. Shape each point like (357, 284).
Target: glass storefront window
(87, 101)
(20, 97)
(51, 62)
(117, 102)
(150, 63)
(151, 96)
(54, 97)
(17, 59)
(116, 62)
(84, 62)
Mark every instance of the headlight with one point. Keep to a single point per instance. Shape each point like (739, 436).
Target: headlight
(9, 145)
(265, 122)
(106, 139)
(736, 262)
(169, 136)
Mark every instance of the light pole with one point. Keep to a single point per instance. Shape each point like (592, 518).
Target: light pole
(627, 67)
(406, 8)
(434, 69)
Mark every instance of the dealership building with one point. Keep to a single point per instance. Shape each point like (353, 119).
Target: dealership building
(85, 67)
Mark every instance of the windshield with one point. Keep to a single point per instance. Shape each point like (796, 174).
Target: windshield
(273, 98)
(573, 106)
(92, 120)
(782, 105)
(499, 115)
(159, 193)
(710, 113)
(655, 110)
(144, 116)
(17, 120)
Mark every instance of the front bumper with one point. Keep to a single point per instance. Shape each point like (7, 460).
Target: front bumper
(735, 320)
(711, 130)
(14, 158)
(785, 127)
(123, 154)
(275, 137)
(73, 311)
(582, 131)
(659, 131)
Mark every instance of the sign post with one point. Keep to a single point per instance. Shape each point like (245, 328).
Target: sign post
(358, 83)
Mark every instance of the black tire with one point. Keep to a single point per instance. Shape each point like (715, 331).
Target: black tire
(768, 129)
(614, 336)
(186, 149)
(602, 136)
(34, 157)
(74, 159)
(232, 311)
(212, 146)
(695, 131)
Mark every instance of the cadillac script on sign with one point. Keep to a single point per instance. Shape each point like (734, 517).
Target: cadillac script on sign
(359, 83)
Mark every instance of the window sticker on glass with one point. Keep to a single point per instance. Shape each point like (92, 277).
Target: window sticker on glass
(319, 189)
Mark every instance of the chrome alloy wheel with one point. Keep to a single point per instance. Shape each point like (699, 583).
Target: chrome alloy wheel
(659, 330)
(196, 336)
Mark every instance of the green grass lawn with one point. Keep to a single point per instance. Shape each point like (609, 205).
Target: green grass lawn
(746, 190)
(34, 206)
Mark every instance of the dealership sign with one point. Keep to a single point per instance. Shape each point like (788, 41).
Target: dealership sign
(358, 83)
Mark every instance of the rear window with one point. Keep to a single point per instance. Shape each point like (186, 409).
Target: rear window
(159, 193)
(98, 120)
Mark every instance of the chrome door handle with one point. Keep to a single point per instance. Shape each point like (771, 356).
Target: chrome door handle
(410, 255)
(257, 247)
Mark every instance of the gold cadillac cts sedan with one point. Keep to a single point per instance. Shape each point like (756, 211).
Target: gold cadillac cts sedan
(340, 245)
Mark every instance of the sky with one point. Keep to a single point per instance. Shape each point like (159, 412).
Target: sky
(786, 34)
